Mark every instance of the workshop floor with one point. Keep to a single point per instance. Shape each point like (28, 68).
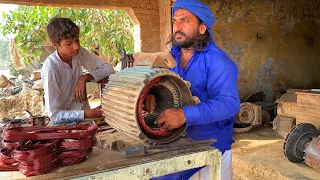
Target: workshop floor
(259, 155)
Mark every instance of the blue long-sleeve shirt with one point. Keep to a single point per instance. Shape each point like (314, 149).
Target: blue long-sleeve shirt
(213, 77)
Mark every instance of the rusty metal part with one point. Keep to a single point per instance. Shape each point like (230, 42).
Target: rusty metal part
(282, 125)
(243, 129)
(141, 150)
(248, 117)
(124, 95)
(265, 117)
(249, 114)
(313, 154)
(159, 59)
(255, 97)
(297, 141)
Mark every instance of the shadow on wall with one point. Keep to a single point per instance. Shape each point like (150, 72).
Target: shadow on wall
(266, 78)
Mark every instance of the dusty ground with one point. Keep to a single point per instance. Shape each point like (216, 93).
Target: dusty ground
(259, 155)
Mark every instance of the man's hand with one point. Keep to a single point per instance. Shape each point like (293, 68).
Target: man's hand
(171, 118)
(93, 113)
(149, 103)
(80, 93)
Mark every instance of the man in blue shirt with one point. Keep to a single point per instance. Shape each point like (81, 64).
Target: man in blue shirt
(213, 77)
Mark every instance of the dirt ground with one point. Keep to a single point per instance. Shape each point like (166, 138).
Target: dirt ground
(258, 154)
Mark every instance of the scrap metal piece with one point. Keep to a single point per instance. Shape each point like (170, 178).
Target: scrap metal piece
(248, 117)
(256, 97)
(282, 125)
(297, 141)
(249, 114)
(313, 154)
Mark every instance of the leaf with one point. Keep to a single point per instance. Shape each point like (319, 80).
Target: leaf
(107, 29)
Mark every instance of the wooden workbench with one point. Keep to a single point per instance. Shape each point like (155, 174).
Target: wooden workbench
(108, 164)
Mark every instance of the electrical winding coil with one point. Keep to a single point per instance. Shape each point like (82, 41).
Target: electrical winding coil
(123, 100)
(38, 150)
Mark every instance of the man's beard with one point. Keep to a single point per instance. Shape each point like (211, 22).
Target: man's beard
(189, 41)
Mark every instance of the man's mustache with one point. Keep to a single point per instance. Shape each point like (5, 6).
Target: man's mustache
(179, 32)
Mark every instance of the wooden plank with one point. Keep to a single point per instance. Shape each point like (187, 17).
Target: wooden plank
(311, 110)
(308, 118)
(312, 99)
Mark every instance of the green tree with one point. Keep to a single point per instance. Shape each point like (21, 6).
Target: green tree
(103, 31)
(4, 54)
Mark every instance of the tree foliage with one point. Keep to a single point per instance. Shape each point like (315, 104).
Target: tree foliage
(4, 54)
(105, 31)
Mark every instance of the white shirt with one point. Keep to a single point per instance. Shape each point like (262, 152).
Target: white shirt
(59, 80)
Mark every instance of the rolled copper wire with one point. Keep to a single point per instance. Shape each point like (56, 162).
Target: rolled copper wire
(36, 153)
(33, 170)
(72, 161)
(4, 167)
(49, 132)
(80, 144)
(5, 157)
(9, 144)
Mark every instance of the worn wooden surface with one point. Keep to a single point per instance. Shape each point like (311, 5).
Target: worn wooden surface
(308, 108)
(287, 105)
(108, 164)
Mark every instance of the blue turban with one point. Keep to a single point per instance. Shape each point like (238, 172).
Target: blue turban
(197, 8)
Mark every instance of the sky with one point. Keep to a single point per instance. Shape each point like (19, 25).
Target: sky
(6, 8)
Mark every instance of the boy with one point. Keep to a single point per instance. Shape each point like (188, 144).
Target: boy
(62, 78)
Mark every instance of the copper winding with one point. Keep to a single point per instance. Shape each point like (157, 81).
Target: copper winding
(80, 144)
(160, 133)
(36, 153)
(48, 132)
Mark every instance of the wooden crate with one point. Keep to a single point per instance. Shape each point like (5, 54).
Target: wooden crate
(308, 108)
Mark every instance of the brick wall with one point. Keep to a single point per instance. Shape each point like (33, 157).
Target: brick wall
(144, 15)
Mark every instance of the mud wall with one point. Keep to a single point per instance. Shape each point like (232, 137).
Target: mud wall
(274, 43)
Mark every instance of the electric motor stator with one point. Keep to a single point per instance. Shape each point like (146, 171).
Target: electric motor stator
(123, 100)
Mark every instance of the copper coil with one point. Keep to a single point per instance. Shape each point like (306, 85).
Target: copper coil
(49, 132)
(156, 132)
(74, 153)
(33, 157)
(80, 143)
(72, 161)
(9, 144)
(4, 167)
(38, 169)
(5, 157)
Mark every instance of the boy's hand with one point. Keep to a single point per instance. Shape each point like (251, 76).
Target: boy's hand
(93, 113)
(171, 118)
(80, 93)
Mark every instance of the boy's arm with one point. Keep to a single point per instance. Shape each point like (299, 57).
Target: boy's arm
(50, 81)
(97, 67)
(53, 102)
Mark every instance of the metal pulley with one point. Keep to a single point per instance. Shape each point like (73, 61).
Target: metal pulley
(298, 140)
